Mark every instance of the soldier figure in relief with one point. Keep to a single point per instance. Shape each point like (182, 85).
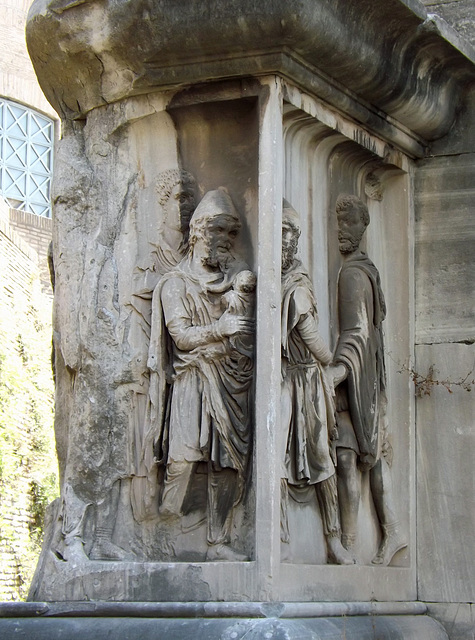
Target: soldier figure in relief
(360, 381)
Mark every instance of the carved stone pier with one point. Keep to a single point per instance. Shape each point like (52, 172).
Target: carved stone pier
(234, 302)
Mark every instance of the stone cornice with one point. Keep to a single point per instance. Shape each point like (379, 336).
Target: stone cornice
(391, 56)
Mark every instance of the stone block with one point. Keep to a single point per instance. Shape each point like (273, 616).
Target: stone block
(445, 233)
(219, 621)
(445, 479)
(460, 14)
(457, 618)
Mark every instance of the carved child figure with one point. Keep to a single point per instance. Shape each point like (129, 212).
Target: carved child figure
(240, 301)
(199, 389)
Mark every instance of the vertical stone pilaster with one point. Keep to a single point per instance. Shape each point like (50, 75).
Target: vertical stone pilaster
(268, 353)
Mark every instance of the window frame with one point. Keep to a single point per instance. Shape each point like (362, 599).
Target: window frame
(26, 157)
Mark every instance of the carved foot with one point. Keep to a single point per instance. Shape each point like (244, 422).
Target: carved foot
(392, 542)
(218, 552)
(107, 550)
(168, 516)
(74, 551)
(285, 552)
(348, 540)
(166, 539)
(337, 554)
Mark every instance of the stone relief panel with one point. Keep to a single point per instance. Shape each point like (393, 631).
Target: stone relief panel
(156, 341)
(366, 438)
(201, 365)
(307, 406)
(176, 194)
(359, 376)
(156, 454)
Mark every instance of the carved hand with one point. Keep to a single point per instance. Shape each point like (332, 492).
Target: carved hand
(229, 325)
(338, 372)
(328, 378)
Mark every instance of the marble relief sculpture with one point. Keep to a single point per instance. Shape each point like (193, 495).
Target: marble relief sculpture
(191, 398)
(360, 381)
(176, 190)
(307, 408)
(201, 373)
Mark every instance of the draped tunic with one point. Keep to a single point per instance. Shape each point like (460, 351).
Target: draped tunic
(307, 406)
(200, 408)
(360, 348)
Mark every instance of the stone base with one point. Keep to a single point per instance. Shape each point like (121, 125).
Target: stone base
(218, 620)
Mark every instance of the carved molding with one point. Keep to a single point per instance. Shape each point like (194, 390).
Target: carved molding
(392, 55)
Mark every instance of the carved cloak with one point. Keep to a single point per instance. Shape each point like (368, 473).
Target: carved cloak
(362, 309)
(200, 407)
(309, 418)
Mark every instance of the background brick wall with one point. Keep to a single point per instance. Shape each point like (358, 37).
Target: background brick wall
(24, 240)
(34, 233)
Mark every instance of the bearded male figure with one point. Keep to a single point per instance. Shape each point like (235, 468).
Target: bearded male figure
(307, 406)
(200, 384)
(359, 375)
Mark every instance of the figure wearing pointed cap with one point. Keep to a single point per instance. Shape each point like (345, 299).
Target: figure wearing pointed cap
(200, 384)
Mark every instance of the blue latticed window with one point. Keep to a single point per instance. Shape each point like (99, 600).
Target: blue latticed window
(26, 158)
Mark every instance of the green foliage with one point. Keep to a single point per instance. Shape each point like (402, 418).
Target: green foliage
(28, 468)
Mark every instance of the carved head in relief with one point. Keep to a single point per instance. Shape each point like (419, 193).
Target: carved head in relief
(245, 282)
(353, 218)
(214, 227)
(176, 194)
(290, 235)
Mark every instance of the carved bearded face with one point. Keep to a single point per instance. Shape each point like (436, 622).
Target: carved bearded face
(290, 239)
(218, 239)
(351, 228)
(213, 229)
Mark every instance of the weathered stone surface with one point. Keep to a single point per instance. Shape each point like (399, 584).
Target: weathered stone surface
(110, 222)
(114, 255)
(457, 618)
(111, 609)
(396, 628)
(445, 481)
(445, 329)
(460, 14)
(169, 44)
(392, 620)
(445, 260)
(320, 152)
